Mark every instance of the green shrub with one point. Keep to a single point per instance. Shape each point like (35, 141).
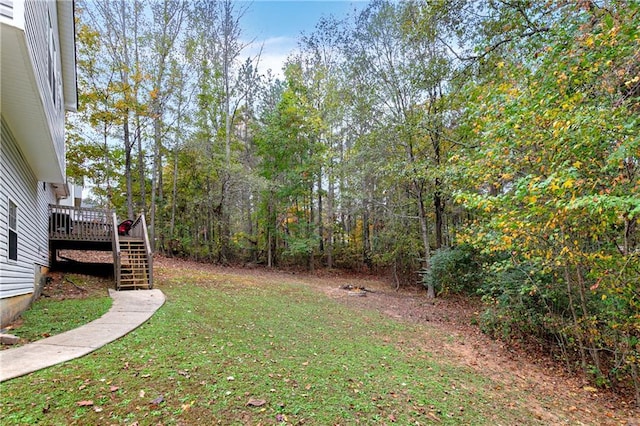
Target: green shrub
(523, 302)
(454, 270)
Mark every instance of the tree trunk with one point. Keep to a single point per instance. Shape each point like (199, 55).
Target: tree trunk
(438, 206)
(127, 136)
(331, 220)
(127, 167)
(424, 233)
(174, 193)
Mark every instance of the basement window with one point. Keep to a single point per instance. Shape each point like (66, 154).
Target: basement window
(13, 231)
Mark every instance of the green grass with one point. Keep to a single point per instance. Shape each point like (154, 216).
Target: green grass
(221, 340)
(47, 317)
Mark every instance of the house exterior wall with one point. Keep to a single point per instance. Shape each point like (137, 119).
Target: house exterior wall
(38, 71)
(21, 277)
(41, 31)
(6, 8)
(32, 140)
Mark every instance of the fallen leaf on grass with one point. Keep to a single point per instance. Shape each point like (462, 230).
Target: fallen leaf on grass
(256, 402)
(87, 403)
(114, 388)
(433, 417)
(159, 400)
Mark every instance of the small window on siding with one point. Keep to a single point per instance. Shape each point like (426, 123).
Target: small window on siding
(13, 231)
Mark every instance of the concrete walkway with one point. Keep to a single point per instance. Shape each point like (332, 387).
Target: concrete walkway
(129, 310)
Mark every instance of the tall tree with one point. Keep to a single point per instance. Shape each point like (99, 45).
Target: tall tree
(115, 20)
(407, 69)
(168, 17)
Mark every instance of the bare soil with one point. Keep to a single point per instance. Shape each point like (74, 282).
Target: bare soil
(556, 396)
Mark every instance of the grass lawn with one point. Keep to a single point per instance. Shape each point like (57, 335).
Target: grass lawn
(235, 349)
(53, 314)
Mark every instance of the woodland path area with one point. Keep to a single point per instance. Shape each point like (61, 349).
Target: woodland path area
(552, 393)
(452, 333)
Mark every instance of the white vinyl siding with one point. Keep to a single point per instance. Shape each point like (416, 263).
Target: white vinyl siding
(41, 31)
(20, 186)
(6, 8)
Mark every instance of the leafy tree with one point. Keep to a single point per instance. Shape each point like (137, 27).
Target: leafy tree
(557, 148)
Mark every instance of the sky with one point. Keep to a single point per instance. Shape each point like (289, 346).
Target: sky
(276, 25)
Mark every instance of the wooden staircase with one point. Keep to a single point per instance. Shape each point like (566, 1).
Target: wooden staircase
(133, 266)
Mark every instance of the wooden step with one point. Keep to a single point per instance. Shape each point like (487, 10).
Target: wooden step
(134, 262)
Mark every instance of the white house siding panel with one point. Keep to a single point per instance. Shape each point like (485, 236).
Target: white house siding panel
(38, 14)
(6, 8)
(31, 197)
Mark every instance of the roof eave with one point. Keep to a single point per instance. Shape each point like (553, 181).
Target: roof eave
(67, 34)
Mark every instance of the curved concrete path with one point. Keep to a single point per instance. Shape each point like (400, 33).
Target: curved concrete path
(129, 310)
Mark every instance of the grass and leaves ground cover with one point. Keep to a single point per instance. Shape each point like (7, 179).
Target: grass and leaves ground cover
(67, 302)
(235, 348)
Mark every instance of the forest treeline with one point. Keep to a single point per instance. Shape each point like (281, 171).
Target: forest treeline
(483, 147)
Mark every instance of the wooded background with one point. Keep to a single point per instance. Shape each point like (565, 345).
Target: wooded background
(492, 146)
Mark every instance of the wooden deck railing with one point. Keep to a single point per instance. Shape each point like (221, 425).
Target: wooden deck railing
(79, 224)
(117, 256)
(139, 230)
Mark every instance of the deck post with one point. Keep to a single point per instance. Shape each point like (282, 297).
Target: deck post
(147, 243)
(116, 251)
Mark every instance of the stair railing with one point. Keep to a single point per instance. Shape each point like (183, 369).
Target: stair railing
(139, 230)
(117, 256)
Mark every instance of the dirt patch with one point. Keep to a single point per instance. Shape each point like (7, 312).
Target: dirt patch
(63, 285)
(555, 396)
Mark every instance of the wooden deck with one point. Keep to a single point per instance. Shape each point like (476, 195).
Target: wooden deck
(79, 229)
(72, 228)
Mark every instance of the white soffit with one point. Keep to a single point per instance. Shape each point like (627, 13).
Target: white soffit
(22, 106)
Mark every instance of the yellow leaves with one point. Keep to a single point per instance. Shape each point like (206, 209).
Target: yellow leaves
(568, 183)
(577, 164)
(506, 176)
(589, 42)
(632, 81)
(154, 93)
(500, 65)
